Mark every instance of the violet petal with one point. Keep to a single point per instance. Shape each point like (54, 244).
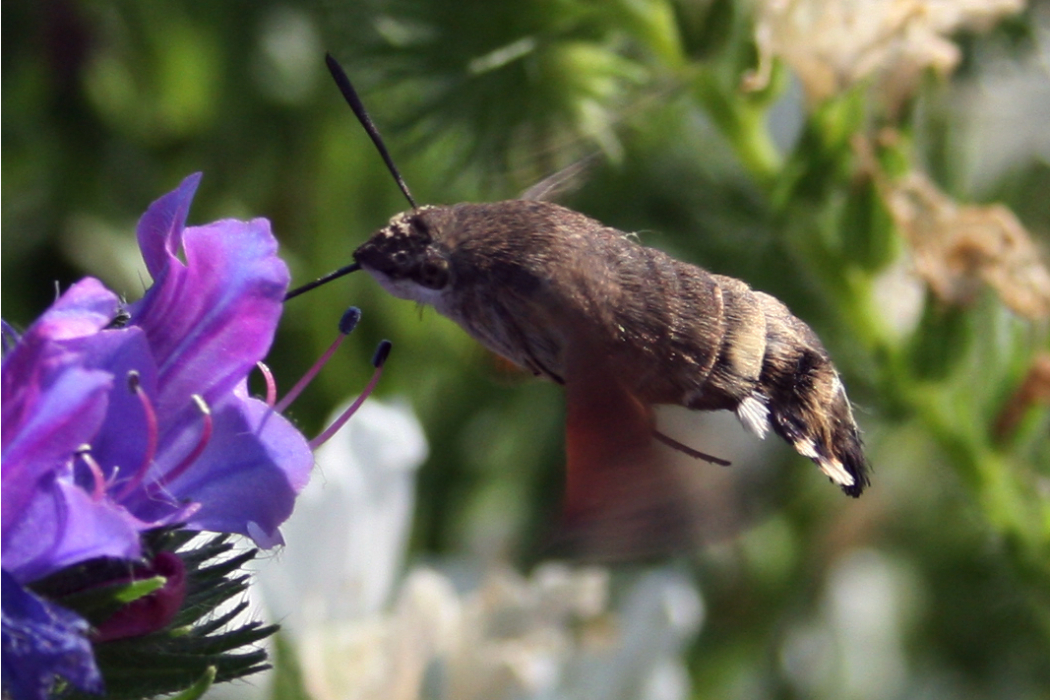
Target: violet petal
(63, 526)
(64, 415)
(51, 403)
(209, 321)
(121, 442)
(42, 640)
(160, 229)
(250, 472)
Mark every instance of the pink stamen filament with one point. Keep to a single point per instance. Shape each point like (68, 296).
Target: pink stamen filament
(113, 477)
(271, 385)
(310, 374)
(341, 420)
(206, 430)
(99, 488)
(151, 436)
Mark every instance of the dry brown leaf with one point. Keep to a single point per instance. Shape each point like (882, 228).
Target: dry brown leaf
(1034, 389)
(956, 246)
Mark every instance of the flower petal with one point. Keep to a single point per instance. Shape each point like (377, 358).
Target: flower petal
(51, 405)
(65, 412)
(42, 640)
(209, 321)
(250, 473)
(62, 526)
(121, 442)
(85, 308)
(37, 363)
(160, 229)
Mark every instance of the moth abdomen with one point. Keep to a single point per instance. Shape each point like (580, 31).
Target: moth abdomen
(770, 369)
(806, 400)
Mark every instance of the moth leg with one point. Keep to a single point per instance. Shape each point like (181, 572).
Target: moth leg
(687, 450)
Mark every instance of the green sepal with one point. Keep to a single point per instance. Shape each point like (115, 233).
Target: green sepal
(197, 649)
(98, 604)
(200, 687)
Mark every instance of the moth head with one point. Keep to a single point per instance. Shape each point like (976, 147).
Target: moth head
(406, 257)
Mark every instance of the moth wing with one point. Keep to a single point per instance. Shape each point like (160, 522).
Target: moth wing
(563, 182)
(626, 496)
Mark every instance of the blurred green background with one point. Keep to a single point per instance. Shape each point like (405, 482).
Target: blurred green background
(108, 105)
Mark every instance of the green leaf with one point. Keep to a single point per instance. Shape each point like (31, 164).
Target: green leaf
(868, 235)
(941, 340)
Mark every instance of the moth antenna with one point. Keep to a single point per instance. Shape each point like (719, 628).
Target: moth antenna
(352, 99)
(350, 95)
(352, 267)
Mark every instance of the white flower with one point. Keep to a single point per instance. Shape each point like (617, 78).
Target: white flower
(551, 635)
(832, 44)
(498, 635)
(346, 539)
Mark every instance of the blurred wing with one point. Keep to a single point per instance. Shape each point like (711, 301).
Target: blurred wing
(563, 182)
(626, 496)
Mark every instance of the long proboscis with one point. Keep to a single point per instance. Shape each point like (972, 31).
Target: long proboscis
(352, 267)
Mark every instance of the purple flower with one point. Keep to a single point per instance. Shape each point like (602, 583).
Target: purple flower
(54, 402)
(117, 419)
(42, 640)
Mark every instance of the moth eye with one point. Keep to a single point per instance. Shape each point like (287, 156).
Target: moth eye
(421, 227)
(400, 257)
(433, 274)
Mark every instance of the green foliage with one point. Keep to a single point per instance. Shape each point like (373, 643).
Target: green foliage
(200, 687)
(288, 683)
(108, 105)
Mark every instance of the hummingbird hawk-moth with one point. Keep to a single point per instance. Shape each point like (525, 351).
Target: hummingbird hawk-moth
(622, 327)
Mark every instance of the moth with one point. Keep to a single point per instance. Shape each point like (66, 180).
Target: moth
(623, 328)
